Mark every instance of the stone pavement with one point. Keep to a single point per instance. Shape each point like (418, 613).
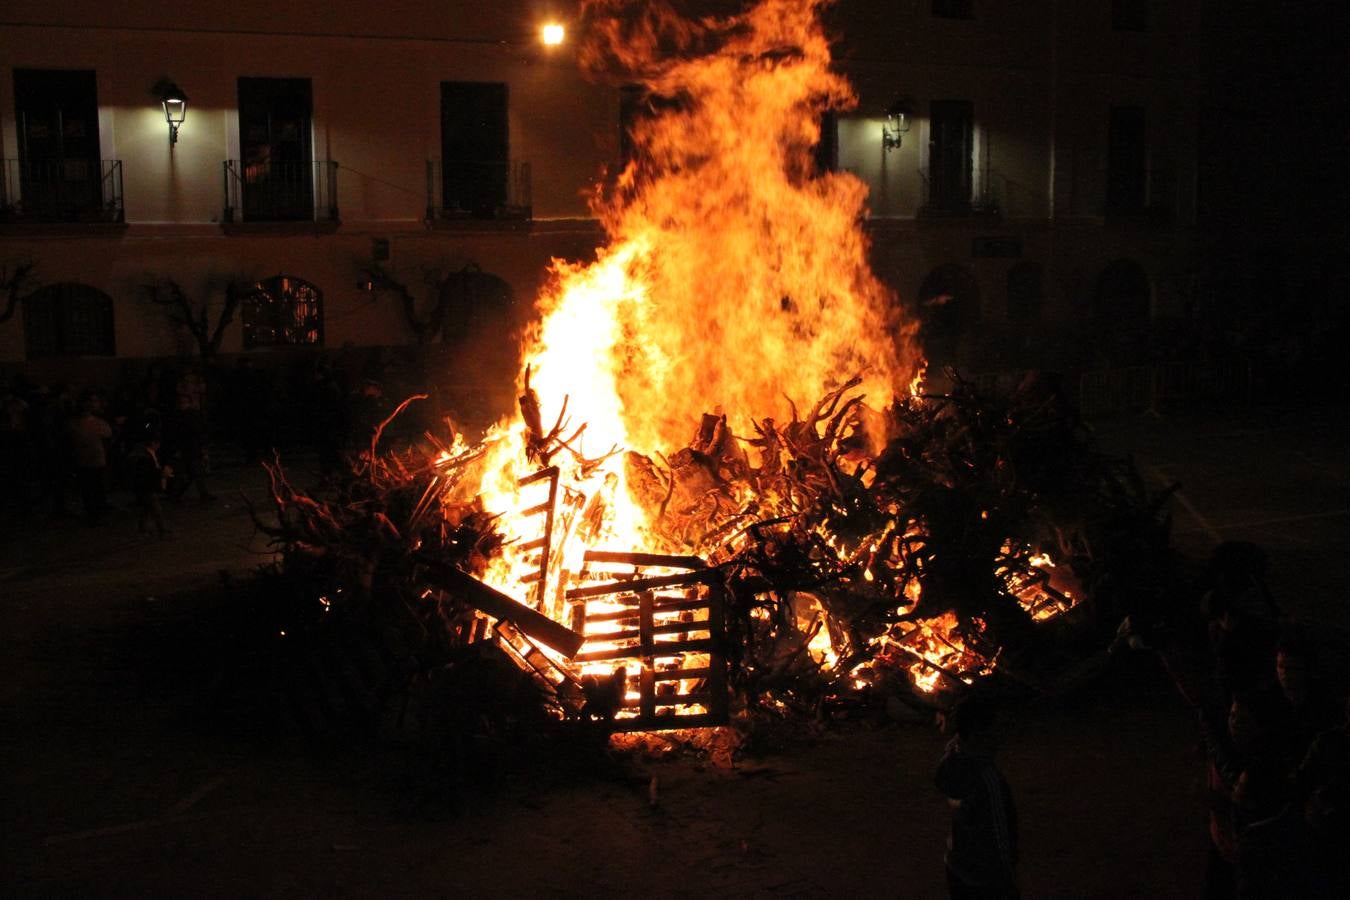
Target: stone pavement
(112, 787)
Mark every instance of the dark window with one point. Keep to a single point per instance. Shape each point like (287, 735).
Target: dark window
(632, 108)
(827, 149)
(1129, 15)
(1126, 160)
(283, 312)
(59, 175)
(954, 9)
(1026, 290)
(638, 105)
(951, 150)
(68, 319)
(475, 147)
(276, 165)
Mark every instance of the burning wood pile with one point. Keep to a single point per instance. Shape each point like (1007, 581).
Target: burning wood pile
(799, 570)
(885, 539)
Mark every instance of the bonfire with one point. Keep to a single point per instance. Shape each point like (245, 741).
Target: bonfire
(726, 491)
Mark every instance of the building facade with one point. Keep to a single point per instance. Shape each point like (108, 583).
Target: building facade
(1046, 180)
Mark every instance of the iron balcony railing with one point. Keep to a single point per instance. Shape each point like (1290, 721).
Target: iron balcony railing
(280, 191)
(61, 190)
(978, 194)
(489, 189)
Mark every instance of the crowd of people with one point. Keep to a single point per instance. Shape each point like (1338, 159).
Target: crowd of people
(151, 435)
(1275, 727)
(1274, 724)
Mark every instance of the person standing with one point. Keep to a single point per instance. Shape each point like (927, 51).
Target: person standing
(147, 482)
(88, 432)
(981, 854)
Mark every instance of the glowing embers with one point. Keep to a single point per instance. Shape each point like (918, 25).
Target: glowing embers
(939, 656)
(653, 627)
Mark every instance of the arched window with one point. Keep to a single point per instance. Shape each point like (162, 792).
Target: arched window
(1026, 291)
(1123, 294)
(283, 312)
(68, 319)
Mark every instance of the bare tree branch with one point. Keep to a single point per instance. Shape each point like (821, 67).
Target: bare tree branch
(13, 285)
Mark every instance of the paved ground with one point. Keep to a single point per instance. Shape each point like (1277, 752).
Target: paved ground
(114, 786)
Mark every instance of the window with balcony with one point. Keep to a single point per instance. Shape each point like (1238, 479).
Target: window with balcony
(282, 312)
(58, 175)
(951, 154)
(1126, 161)
(475, 176)
(68, 319)
(276, 178)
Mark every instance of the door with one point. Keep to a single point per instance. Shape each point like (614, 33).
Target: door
(475, 147)
(276, 166)
(951, 154)
(57, 118)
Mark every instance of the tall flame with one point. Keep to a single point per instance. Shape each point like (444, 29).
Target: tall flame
(734, 274)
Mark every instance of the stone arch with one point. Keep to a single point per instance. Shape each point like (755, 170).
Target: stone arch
(1025, 292)
(68, 319)
(282, 311)
(1124, 295)
(949, 302)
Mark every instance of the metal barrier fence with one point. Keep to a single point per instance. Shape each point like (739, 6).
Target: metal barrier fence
(1155, 387)
(1140, 388)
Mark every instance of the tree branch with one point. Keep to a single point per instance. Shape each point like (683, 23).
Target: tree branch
(13, 285)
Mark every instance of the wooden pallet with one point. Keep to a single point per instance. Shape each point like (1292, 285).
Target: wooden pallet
(666, 629)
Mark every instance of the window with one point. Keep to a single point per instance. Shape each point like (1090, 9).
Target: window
(68, 319)
(59, 173)
(276, 167)
(283, 312)
(951, 151)
(475, 147)
(1129, 15)
(954, 9)
(1126, 160)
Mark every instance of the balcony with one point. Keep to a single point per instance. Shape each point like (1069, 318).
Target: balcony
(61, 191)
(477, 192)
(954, 195)
(269, 193)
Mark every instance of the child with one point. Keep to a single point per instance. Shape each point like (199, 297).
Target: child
(147, 481)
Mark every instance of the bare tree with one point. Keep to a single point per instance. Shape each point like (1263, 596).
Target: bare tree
(13, 283)
(196, 316)
(424, 329)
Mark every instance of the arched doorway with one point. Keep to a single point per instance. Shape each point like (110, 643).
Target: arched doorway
(68, 319)
(949, 302)
(1123, 296)
(1026, 292)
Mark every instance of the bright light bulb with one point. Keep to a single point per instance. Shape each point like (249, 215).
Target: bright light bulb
(553, 34)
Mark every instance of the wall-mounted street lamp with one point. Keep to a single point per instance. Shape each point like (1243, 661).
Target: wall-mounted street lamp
(552, 34)
(175, 107)
(895, 127)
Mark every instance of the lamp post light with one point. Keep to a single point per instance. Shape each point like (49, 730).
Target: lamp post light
(896, 126)
(552, 34)
(175, 107)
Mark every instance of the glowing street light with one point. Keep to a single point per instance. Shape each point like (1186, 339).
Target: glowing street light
(553, 34)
